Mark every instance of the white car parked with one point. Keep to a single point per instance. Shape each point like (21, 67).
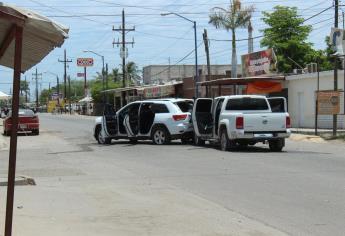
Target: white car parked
(160, 120)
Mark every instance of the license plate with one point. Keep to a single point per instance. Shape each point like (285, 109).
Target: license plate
(263, 135)
(23, 126)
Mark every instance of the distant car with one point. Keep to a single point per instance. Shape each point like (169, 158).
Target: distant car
(159, 120)
(28, 122)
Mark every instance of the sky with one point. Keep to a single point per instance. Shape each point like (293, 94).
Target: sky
(157, 38)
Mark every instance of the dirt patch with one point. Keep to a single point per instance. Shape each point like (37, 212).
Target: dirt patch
(308, 138)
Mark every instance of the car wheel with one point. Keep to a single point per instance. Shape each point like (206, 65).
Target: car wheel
(225, 143)
(276, 145)
(198, 141)
(100, 138)
(160, 135)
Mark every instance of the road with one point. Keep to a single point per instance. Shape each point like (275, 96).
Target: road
(123, 189)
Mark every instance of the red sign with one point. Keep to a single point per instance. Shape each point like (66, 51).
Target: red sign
(85, 62)
(259, 63)
(80, 74)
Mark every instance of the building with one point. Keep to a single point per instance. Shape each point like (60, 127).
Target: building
(160, 74)
(302, 99)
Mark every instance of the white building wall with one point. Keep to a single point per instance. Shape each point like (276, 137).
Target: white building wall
(302, 99)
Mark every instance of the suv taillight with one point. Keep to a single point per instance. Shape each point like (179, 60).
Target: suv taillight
(288, 122)
(239, 122)
(179, 117)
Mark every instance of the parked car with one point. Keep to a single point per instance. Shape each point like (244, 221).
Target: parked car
(28, 122)
(241, 120)
(159, 120)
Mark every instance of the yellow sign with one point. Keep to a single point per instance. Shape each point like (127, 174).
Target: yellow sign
(328, 102)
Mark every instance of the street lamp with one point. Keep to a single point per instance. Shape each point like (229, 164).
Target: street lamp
(195, 50)
(102, 70)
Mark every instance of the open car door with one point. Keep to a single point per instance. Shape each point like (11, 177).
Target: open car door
(131, 120)
(278, 104)
(202, 117)
(109, 121)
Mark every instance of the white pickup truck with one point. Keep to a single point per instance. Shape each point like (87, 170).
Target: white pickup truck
(241, 120)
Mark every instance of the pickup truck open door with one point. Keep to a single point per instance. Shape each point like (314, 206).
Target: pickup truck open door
(278, 104)
(202, 117)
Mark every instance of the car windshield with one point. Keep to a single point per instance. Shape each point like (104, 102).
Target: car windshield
(185, 106)
(246, 103)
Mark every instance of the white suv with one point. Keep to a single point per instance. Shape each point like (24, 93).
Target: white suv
(160, 120)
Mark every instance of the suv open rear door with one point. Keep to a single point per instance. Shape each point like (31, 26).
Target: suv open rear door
(109, 121)
(278, 104)
(202, 117)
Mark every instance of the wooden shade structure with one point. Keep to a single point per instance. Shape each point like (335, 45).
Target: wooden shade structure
(25, 39)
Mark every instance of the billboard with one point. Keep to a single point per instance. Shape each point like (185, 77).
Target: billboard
(259, 63)
(328, 102)
(85, 62)
(337, 40)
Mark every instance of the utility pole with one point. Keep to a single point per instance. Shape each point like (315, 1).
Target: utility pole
(106, 80)
(69, 95)
(207, 51)
(336, 15)
(65, 61)
(26, 91)
(58, 90)
(169, 70)
(250, 38)
(36, 78)
(123, 50)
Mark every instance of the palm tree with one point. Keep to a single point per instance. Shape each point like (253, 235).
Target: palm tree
(24, 87)
(230, 19)
(132, 72)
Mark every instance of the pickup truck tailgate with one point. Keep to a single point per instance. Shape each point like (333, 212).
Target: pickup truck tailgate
(264, 122)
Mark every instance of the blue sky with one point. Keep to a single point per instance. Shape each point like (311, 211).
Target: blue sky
(156, 37)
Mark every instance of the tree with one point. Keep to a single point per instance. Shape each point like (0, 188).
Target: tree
(287, 35)
(230, 19)
(132, 73)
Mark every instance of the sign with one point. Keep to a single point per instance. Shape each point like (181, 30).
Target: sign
(328, 102)
(259, 63)
(85, 62)
(337, 40)
(159, 91)
(55, 96)
(80, 74)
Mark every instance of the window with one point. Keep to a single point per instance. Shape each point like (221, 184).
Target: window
(247, 103)
(159, 108)
(185, 106)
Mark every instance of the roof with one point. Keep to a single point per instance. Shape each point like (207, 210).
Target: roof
(241, 81)
(4, 96)
(40, 36)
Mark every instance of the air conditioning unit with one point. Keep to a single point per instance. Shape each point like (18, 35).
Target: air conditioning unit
(312, 68)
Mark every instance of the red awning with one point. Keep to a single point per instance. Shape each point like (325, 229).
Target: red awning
(263, 87)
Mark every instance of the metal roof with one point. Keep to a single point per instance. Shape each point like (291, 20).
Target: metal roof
(241, 81)
(40, 36)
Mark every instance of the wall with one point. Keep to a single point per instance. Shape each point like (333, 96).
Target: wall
(156, 73)
(301, 89)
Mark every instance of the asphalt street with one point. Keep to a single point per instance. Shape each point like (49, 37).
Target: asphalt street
(252, 191)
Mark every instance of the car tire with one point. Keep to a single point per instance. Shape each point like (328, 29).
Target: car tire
(100, 138)
(160, 135)
(276, 145)
(198, 141)
(225, 143)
